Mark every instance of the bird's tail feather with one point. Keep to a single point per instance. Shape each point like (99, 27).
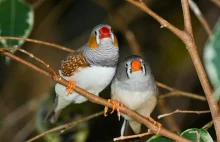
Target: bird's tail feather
(135, 126)
(130, 127)
(123, 128)
(52, 116)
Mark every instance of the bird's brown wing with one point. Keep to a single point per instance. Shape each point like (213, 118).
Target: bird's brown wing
(73, 62)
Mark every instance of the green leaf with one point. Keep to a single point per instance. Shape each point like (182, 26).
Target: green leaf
(158, 138)
(17, 20)
(212, 59)
(193, 133)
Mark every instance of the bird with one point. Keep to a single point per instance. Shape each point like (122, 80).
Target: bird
(92, 67)
(134, 87)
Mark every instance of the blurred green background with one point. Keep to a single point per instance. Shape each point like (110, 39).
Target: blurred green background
(27, 95)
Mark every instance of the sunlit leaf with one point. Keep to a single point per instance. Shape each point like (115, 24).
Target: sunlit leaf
(212, 59)
(194, 134)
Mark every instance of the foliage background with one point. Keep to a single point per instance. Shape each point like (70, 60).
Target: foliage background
(69, 23)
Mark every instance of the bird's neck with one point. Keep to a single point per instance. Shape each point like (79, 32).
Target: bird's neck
(105, 55)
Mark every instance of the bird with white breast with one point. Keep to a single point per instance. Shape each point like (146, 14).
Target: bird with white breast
(134, 87)
(91, 67)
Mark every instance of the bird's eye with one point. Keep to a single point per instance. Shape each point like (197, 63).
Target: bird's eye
(95, 33)
(126, 65)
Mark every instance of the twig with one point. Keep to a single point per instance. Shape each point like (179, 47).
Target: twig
(187, 19)
(24, 132)
(163, 22)
(192, 49)
(200, 16)
(181, 93)
(169, 121)
(216, 2)
(208, 125)
(95, 99)
(122, 26)
(39, 60)
(187, 37)
(37, 4)
(18, 114)
(197, 137)
(38, 42)
(176, 92)
(66, 126)
(183, 111)
(133, 136)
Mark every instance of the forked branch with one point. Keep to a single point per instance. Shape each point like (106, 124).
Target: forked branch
(188, 39)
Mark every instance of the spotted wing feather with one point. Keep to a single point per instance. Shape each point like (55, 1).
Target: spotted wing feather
(73, 62)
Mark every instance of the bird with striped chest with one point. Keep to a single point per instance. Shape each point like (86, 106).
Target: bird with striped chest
(91, 67)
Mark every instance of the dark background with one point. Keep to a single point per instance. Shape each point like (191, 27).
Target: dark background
(26, 95)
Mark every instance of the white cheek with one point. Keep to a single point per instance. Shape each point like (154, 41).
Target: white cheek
(129, 71)
(112, 36)
(97, 38)
(143, 67)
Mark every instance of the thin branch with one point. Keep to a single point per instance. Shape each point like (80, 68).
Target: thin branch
(121, 24)
(187, 17)
(200, 16)
(208, 125)
(183, 111)
(66, 126)
(24, 132)
(163, 22)
(176, 92)
(39, 60)
(192, 49)
(38, 42)
(188, 39)
(164, 86)
(95, 99)
(169, 121)
(133, 136)
(197, 137)
(37, 3)
(216, 2)
(181, 93)
(18, 114)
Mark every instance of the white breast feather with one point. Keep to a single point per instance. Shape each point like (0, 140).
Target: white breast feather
(93, 79)
(142, 102)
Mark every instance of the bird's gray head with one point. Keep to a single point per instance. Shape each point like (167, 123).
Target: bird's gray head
(134, 74)
(102, 48)
(133, 68)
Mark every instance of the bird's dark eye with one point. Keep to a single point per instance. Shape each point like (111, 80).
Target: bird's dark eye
(95, 33)
(126, 65)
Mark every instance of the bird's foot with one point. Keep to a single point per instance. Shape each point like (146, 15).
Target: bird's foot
(116, 106)
(70, 87)
(155, 123)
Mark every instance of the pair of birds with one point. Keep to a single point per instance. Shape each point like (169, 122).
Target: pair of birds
(94, 66)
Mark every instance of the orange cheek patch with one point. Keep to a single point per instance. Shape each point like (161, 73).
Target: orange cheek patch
(135, 66)
(92, 42)
(115, 41)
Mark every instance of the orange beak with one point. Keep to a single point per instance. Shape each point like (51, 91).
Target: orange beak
(136, 66)
(104, 32)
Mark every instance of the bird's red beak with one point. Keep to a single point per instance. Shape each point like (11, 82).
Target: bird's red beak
(104, 32)
(136, 66)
